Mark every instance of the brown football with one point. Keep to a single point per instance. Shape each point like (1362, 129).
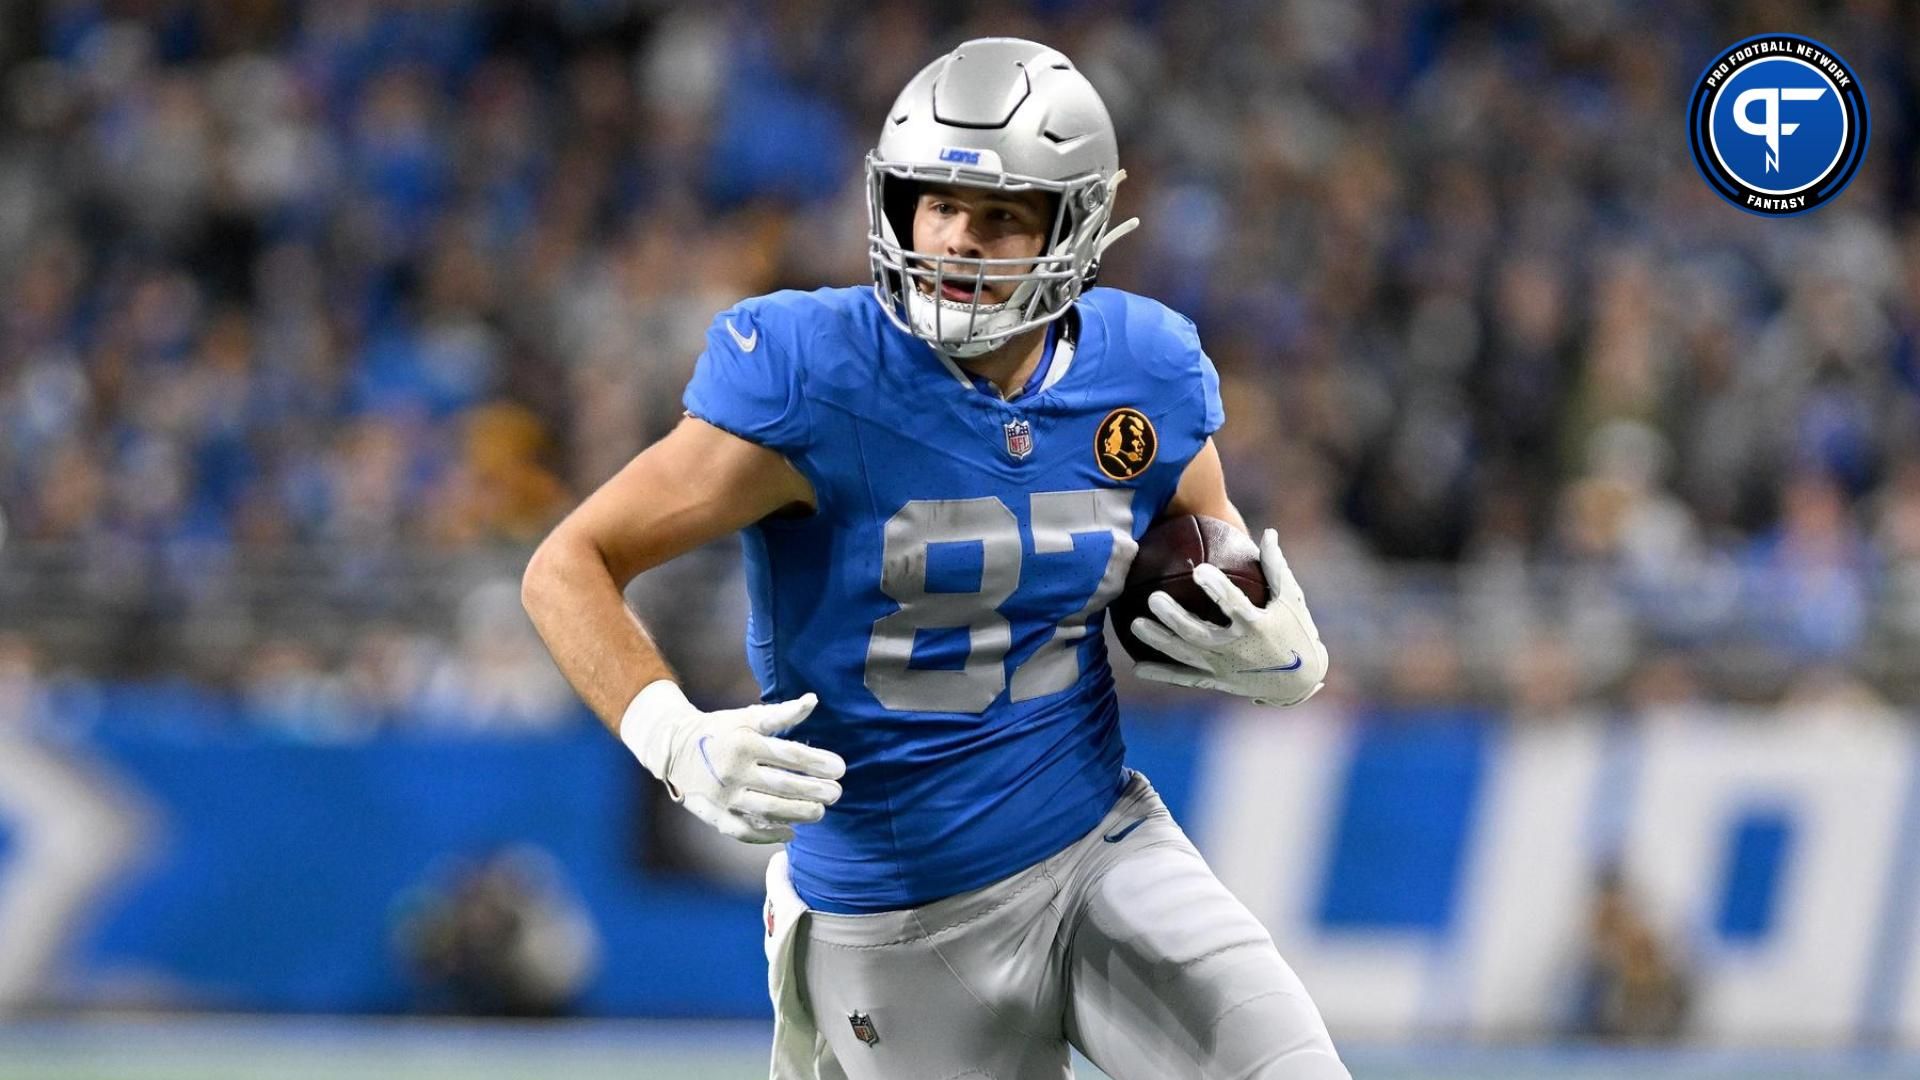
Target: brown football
(1168, 553)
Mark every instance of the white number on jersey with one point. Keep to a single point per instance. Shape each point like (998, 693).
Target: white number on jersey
(1057, 517)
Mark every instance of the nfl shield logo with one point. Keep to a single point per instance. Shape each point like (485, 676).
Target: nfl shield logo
(1019, 439)
(863, 1028)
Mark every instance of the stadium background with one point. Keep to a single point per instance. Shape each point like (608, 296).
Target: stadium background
(1607, 497)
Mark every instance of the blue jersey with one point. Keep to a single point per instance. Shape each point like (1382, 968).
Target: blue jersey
(945, 599)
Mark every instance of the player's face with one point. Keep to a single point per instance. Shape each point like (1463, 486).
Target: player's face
(970, 223)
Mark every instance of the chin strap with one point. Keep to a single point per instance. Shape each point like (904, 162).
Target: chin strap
(967, 350)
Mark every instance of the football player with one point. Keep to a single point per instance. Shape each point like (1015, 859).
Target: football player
(940, 481)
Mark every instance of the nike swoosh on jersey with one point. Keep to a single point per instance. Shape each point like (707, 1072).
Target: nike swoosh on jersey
(1295, 666)
(746, 342)
(1116, 837)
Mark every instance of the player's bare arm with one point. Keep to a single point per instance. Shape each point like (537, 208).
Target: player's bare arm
(696, 485)
(1203, 490)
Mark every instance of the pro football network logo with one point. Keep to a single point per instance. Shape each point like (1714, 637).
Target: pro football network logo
(1125, 444)
(1778, 124)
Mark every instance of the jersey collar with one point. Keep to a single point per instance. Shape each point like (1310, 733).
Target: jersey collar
(1055, 358)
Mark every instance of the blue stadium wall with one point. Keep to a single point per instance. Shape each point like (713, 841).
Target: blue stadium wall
(1426, 873)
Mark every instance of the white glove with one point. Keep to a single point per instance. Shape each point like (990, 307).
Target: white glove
(1272, 654)
(727, 768)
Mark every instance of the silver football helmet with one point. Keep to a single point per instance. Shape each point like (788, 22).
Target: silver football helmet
(997, 113)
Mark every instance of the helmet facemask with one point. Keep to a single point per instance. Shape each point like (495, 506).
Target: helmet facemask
(908, 283)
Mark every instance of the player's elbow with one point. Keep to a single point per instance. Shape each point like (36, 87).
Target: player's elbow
(555, 564)
(535, 581)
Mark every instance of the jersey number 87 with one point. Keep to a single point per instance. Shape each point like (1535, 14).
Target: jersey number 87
(1056, 518)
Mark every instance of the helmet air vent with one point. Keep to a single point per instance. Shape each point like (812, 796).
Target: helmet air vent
(984, 86)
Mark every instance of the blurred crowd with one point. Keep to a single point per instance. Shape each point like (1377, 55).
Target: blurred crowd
(406, 277)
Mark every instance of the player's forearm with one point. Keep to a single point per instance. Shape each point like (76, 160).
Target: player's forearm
(597, 642)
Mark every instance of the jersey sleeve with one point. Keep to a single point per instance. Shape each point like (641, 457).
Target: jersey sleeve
(1208, 412)
(747, 382)
(1213, 413)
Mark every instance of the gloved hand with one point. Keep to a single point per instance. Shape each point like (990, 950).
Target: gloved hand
(728, 768)
(1272, 654)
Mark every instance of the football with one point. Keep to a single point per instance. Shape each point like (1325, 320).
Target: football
(1168, 553)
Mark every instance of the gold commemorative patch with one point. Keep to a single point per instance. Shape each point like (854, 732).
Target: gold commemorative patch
(1125, 443)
